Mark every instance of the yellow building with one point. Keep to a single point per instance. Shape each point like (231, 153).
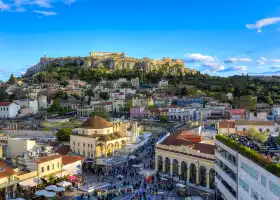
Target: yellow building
(186, 157)
(49, 165)
(97, 137)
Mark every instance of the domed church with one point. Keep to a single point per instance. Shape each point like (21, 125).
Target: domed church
(97, 137)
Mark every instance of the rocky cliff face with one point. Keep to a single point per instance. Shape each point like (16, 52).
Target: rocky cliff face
(144, 64)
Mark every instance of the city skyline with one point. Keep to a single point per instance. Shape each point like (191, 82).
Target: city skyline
(214, 37)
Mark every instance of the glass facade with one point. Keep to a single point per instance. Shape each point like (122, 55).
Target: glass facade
(250, 170)
(254, 194)
(243, 185)
(263, 180)
(226, 169)
(230, 189)
(231, 158)
(275, 188)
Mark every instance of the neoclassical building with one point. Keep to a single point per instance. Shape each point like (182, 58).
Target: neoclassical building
(97, 137)
(184, 156)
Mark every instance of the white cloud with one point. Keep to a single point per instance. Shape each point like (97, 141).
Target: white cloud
(237, 60)
(235, 68)
(196, 57)
(69, 2)
(212, 66)
(262, 23)
(264, 60)
(43, 3)
(4, 6)
(45, 13)
(275, 67)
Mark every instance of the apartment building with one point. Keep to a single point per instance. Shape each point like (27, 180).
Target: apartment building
(239, 177)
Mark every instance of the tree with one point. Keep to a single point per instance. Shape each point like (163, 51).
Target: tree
(100, 113)
(55, 107)
(4, 96)
(184, 91)
(12, 80)
(163, 119)
(104, 95)
(64, 134)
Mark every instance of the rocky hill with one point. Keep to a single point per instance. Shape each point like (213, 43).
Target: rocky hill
(112, 61)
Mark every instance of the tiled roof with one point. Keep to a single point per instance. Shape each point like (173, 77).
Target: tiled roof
(96, 123)
(47, 158)
(252, 122)
(5, 103)
(184, 138)
(70, 159)
(6, 171)
(237, 111)
(227, 124)
(63, 149)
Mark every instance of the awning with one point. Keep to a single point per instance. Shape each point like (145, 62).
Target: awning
(180, 185)
(64, 184)
(31, 182)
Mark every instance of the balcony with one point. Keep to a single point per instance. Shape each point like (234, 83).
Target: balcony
(226, 193)
(225, 176)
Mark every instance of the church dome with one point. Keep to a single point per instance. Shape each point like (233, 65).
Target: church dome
(96, 123)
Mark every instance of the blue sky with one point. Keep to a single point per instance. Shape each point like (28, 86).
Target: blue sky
(217, 37)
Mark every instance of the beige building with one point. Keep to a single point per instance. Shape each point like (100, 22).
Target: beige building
(17, 146)
(186, 157)
(226, 127)
(97, 137)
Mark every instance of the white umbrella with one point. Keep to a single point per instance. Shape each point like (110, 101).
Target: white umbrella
(40, 192)
(49, 194)
(59, 189)
(64, 184)
(50, 187)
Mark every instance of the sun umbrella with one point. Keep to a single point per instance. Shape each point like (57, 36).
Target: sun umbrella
(40, 192)
(50, 187)
(49, 194)
(64, 184)
(59, 189)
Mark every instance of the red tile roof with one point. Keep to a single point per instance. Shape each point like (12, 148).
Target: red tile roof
(6, 171)
(237, 111)
(63, 149)
(5, 103)
(47, 158)
(70, 159)
(227, 124)
(184, 138)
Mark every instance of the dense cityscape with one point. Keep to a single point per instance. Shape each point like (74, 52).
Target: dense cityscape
(109, 126)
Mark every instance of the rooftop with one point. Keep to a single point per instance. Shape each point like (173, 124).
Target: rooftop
(47, 158)
(252, 122)
(71, 159)
(96, 123)
(253, 150)
(227, 124)
(187, 138)
(5, 103)
(5, 170)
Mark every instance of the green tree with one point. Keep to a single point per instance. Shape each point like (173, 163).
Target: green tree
(163, 119)
(64, 134)
(4, 96)
(100, 113)
(55, 107)
(278, 140)
(12, 80)
(104, 95)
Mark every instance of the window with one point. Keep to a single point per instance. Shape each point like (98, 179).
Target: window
(74, 143)
(254, 194)
(263, 180)
(84, 144)
(78, 144)
(274, 188)
(42, 169)
(58, 164)
(95, 132)
(91, 146)
(89, 154)
(260, 129)
(88, 145)
(251, 171)
(48, 168)
(52, 166)
(244, 185)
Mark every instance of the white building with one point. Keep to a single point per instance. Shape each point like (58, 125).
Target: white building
(8, 110)
(237, 177)
(28, 103)
(163, 83)
(262, 126)
(18, 146)
(42, 101)
(135, 82)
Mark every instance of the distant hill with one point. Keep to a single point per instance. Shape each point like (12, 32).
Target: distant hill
(111, 61)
